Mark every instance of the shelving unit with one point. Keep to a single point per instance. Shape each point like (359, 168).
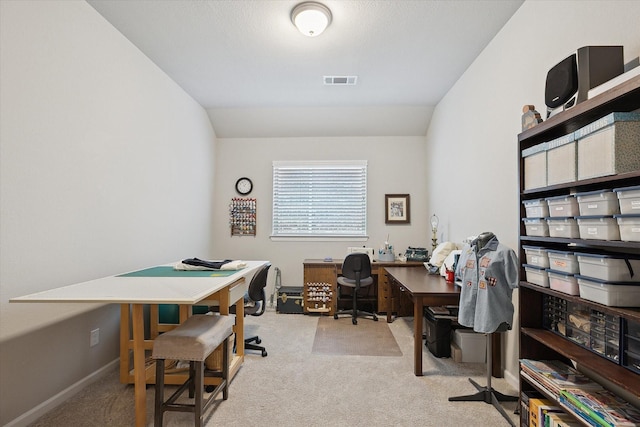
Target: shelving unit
(536, 342)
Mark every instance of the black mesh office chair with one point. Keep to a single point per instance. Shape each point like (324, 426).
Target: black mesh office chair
(356, 274)
(255, 302)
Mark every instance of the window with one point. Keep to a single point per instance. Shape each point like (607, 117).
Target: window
(319, 199)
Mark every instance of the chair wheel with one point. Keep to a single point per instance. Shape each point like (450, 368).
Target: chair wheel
(375, 318)
(258, 340)
(264, 353)
(335, 316)
(354, 321)
(209, 388)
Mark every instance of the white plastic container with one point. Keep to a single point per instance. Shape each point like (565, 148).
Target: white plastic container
(536, 227)
(563, 227)
(537, 276)
(536, 208)
(612, 268)
(536, 256)
(604, 202)
(563, 206)
(613, 294)
(629, 199)
(564, 262)
(598, 228)
(473, 345)
(562, 282)
(629, 226)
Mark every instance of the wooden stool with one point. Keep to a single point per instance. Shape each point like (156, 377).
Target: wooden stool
(193, 340)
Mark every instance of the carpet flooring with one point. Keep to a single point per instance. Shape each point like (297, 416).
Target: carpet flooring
(367, 338)
(296, 386)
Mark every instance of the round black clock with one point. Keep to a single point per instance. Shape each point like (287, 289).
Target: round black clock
(244, 186)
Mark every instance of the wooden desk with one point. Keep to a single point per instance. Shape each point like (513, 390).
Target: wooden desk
(424, 289)
(320, 271)
(134, 292)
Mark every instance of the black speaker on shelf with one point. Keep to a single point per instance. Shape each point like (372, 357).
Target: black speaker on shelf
(569, 81)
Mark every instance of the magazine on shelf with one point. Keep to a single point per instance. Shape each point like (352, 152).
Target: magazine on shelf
(607, 409)
(554, 375)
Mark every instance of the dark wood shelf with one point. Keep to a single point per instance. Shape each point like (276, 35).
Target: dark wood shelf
(536, 342)
(607, 369)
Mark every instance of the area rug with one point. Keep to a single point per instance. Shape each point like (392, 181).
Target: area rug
(368, 338)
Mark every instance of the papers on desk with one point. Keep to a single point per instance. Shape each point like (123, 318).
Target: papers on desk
(211, 265)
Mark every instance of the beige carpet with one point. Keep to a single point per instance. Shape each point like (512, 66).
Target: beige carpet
(367, 338)
(293, 386)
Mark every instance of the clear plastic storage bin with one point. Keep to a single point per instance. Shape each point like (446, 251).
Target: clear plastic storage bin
(604, 202)
(536, 256)
(613, 268)
(614, 294)
(563, 227)
(598, 228)
(564, 262)
(629, 199)
(629, 227)
(536, 227)
(536, 208)
(537, 276)
(563, 206)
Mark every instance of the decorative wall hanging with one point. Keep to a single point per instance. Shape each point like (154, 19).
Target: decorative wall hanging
(242, 213)
(397, 209)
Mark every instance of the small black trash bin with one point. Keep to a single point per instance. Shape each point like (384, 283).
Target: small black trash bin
(438, 331)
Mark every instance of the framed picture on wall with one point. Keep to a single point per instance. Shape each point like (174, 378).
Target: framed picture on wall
(397, 209)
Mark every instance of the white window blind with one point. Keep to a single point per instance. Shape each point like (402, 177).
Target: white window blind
(319, 199)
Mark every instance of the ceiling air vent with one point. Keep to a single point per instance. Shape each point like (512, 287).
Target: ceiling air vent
(340, 80)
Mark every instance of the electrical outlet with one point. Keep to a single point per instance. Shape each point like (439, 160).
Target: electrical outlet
(94, 338)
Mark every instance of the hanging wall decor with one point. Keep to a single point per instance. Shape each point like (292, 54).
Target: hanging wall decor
(242, 216)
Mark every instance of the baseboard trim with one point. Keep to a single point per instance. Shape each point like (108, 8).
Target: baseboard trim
(58, 399)
(512, 380)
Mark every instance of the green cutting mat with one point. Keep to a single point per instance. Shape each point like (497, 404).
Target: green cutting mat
(168, 271)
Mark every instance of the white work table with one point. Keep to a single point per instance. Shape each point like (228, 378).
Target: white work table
(133, 291)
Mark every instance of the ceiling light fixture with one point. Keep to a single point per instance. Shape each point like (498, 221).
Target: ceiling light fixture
(311, 18)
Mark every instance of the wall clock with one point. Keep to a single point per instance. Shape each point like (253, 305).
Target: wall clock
(244, 186)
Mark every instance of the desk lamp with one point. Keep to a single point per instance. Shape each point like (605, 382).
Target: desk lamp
(434, 230)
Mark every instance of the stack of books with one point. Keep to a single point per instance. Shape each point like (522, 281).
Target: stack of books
(578, 394)
(600, 408)
(554, 376)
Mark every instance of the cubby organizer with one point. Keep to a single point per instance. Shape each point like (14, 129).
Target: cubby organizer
(242, 216)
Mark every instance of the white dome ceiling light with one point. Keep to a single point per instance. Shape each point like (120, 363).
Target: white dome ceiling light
(311, 18)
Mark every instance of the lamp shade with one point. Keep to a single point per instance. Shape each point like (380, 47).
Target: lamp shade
(311, 18)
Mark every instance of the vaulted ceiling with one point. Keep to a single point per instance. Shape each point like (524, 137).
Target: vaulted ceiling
(257, 76)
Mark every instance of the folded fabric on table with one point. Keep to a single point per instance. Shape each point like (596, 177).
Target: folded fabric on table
(199, 264)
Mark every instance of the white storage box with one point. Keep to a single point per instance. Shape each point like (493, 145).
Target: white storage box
(629, 199)
(536, 256)
(598, 228)
(563, 227)
(536, 208)
(536, 227)
(614, 294)
(562, 282)
(562, 261)
(535, 166)
(604, 202)
(612, 268)
(609, 146)
(472, 345)
(562, 160)
(629, 226)
(536, 275)
(563, 206)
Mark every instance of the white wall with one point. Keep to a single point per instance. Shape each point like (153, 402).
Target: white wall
(395, 166)
(106, 166)
(474, 128)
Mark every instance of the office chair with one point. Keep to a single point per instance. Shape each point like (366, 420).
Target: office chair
(255, 302)
(356, 274)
